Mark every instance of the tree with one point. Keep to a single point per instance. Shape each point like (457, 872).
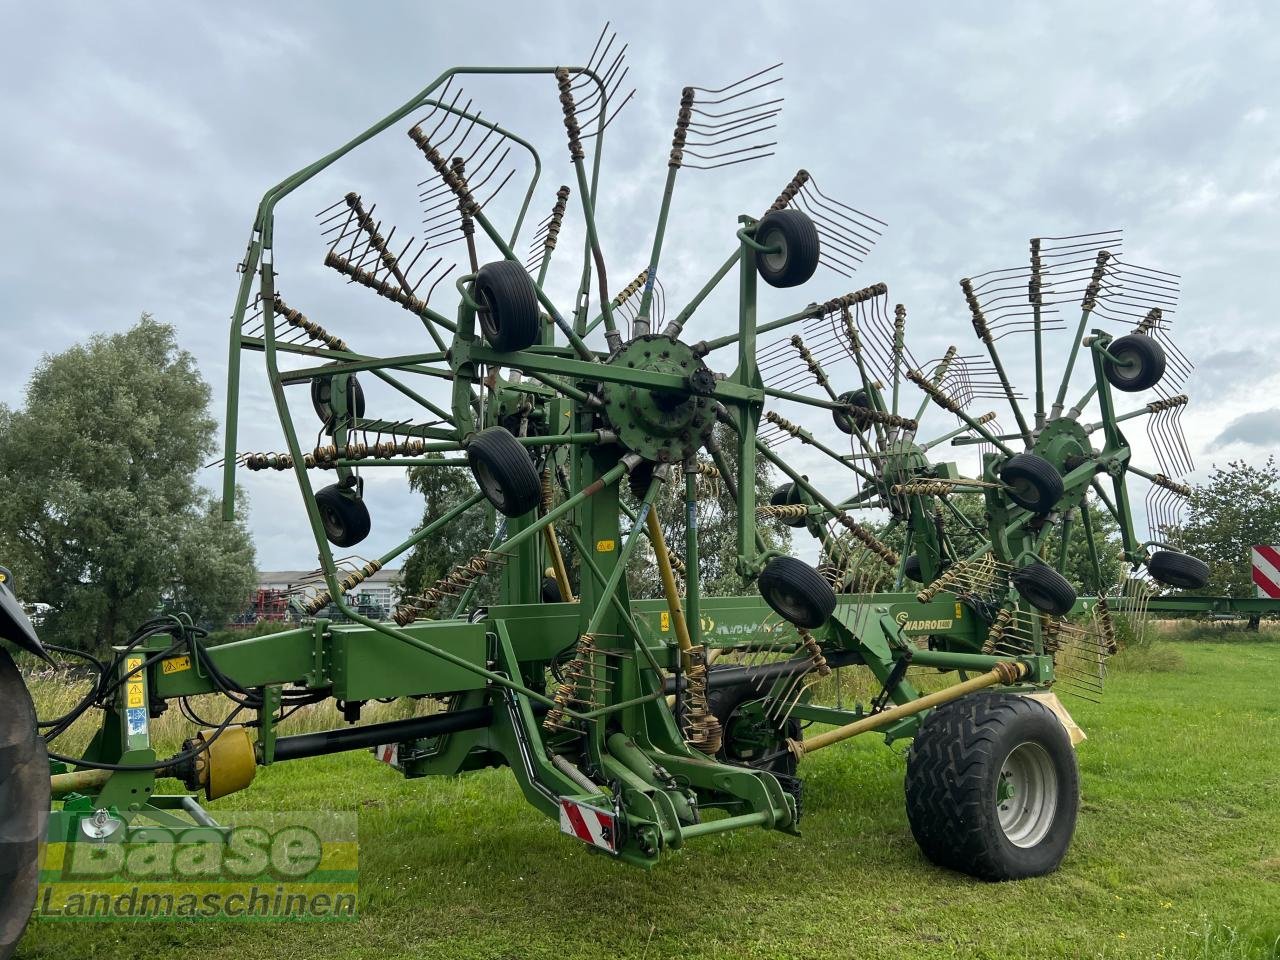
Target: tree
(1238, 508)
(100, 513)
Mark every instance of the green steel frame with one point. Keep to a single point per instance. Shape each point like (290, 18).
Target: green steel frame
(624, 751)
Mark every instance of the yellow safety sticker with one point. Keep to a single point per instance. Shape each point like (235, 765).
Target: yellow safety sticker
(175, 664)
(664, 620)
(605, 546)
(134, 696)
(959, 610)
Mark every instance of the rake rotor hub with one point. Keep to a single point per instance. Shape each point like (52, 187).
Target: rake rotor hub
(659, 422)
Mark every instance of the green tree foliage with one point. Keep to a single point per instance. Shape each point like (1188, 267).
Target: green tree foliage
(1237, 508)
(442, 489)
(100, 513)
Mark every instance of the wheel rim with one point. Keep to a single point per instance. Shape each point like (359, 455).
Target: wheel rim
(489, 484)
(776, 260)
(1027, 794)
(334, 528)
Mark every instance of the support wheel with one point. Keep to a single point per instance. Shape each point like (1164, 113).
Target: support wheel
(847, 421)
(1179, 570)
(24, 804)
(508, 314)
(788, 495)
(344, 516)
(993, 787)
(911, 569)
(322, 398)
(504, 472)
(1034, 483)
(1141, 365)
(797, 592)
(795, 238)
(1045, 589)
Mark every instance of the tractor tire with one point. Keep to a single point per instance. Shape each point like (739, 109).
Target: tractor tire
(1045, 589)
(504, 472)
(744, 745)
(845, 421)
(993, 788)
(1034, 482)
(797, 592)
(1143, 363)
(508, 315)
(785, 496)
(24, 804)
(321, 398)
(797, 239)
(344, 516)
(1179, 570)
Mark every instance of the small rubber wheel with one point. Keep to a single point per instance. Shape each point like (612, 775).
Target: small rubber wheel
(508, 314)
(1142, 363)
(788, 495)
(911, 569)
(322, 394)
(993, 787)
(504, 472)
(551, 590)
(846, 421)
(749, 738)
(797, 592)
(24, 804)
(344, 515)
(1034, 482)
(1179, 570)
(796, 240)
(1045, 589)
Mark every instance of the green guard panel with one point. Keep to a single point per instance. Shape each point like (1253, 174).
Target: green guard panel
(366, 664)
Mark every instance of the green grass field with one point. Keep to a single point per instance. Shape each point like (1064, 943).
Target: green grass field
(1177, 855)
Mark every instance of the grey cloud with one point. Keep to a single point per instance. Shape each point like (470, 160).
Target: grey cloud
(1260, 429)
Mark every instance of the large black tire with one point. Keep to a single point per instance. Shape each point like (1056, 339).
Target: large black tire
(1143, 363)
(344, 516)
(846, 421)
(322, 392)
(965, 759)
(1045, 589)
(24, 804)
(1034, 482)
(797, 239)
(746, 740)
(788, 495)
(509, 317)
(797, 592)
(504, 472)
(1179, 570)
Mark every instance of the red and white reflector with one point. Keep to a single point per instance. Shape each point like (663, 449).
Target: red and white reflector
(589, 824)
(387, 753)
(1266, 571)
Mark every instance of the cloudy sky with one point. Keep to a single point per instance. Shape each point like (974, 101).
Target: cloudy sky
(139, 137)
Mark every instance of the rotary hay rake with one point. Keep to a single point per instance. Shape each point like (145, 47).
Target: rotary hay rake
(641, 724)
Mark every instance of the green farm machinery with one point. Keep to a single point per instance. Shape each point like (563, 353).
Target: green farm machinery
(641, 724)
